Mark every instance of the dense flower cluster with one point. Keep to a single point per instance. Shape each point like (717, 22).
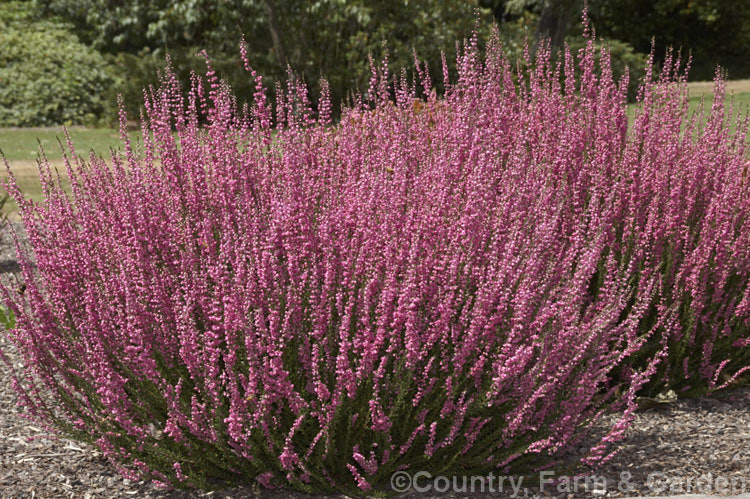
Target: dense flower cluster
(451, 284)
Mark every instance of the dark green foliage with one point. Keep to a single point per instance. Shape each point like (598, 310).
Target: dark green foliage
(714, 32)
(47, 77)
(313, 39)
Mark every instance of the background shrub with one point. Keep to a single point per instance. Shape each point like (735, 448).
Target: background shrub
(47, 77)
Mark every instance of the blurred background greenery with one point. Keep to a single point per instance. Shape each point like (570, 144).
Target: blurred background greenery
(64, 61)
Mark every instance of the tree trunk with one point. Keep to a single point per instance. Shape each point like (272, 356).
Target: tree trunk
(275, 28)
(554, 22)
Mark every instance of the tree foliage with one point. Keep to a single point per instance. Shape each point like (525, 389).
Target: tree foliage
(323, 38)
(714, 32)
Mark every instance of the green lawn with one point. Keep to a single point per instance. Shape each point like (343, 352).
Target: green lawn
(23, 143)
(21, 149)
(741, 104)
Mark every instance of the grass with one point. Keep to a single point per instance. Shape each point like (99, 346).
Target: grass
(23, 143)
(21, 146)
(741, 100)
(741, 104)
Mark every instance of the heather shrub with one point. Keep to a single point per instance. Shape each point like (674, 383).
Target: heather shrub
(456, 285)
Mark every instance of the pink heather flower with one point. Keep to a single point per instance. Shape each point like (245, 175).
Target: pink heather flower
(370, 465)
(288, 458)
(178, 472)
(361, 482)
(417, 431)
(430, 447)
(265, 479)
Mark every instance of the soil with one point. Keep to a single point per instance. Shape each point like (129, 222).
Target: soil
(699, 445)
